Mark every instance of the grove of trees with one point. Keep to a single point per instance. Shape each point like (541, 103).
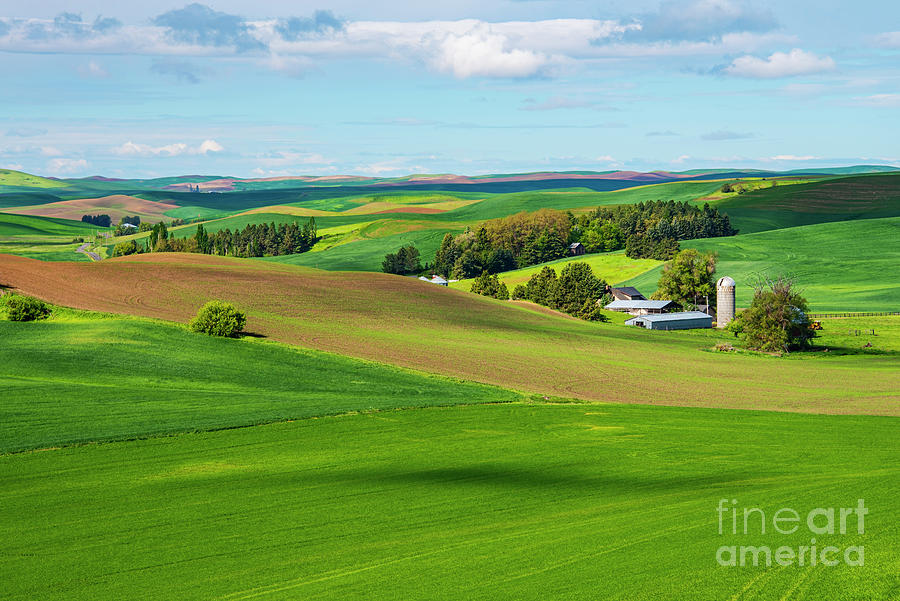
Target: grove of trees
(403, 262)
(575, 291)
(490, 285)
(98, 220)
(645, 230)
(689, 279)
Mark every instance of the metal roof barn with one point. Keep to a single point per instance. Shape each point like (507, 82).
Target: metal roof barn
(688, 320)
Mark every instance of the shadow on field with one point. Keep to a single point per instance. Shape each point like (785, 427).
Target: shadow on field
(252, 335)
(556, 477)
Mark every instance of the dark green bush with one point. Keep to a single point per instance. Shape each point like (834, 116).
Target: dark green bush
(218, 318)
(24, 308)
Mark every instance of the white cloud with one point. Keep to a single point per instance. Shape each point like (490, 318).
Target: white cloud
(66, 166)
(792, 157)
(92, 70)
(880, 100)
(50, 151)
(891, 39)
(780, 64)
(13, 166)
(131, 149)
(484, 53)
(680, 160)
(208, 146)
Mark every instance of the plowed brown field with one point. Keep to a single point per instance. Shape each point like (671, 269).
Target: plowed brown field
(415, 324)
(116, 206)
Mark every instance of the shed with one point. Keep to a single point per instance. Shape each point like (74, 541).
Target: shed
(576, 248)
(626, 293)
(642, 307)
(688, 320)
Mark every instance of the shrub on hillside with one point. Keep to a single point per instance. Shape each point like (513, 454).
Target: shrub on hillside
(24, 308)
(123, 249)
(776, 320)
(520, 292)
(218, 318)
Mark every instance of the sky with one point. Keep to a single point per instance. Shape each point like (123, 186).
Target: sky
(271, 87)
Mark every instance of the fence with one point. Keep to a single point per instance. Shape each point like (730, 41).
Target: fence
(833, 315)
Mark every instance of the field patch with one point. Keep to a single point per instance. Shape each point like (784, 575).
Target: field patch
(840, 266)
(87, 377)
(8, 177)
(471, 502)
(614, 267)
(843, 199)
(415, 324)
(116, 206)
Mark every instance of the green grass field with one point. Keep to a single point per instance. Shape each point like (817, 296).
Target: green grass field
(473, 502)
(841, 266)
(858, 197)
(31, 226)
(8, 177)
(83, 377)
(613, 267)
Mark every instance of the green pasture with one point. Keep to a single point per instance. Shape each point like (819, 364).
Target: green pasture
(8, 177)
(46, 248)
(479, 502)
(614, 267)
(28, 225)
(367, 254)
(83, 377)
(840, 266)
(842, 199)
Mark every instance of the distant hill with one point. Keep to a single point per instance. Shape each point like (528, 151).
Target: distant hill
(8, 177)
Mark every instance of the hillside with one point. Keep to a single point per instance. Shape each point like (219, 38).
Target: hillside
(116, 206)
(471, 502)
(613, 267)
(57, 394)
(844, 199)
(840, 266)
(414, 324)
(35, 226)
(8, 177)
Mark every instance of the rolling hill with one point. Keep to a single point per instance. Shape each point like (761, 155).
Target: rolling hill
(469, 502)
(414, 324)
(839, 266)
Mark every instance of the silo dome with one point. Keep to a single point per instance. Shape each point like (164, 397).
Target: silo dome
(725, 282)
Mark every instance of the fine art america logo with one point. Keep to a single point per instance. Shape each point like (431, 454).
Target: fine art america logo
(821, 521)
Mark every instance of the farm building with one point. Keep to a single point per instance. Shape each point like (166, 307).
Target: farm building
(642, 307)
(626, 293)
(688, 320)
(576, 249)
(435, 279)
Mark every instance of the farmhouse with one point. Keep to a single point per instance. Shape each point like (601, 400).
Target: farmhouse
(642, 307)
(434, 279)
(688, 320)
(576, 249)
(626, 293)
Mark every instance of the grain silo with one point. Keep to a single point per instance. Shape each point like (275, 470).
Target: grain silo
(724, 301)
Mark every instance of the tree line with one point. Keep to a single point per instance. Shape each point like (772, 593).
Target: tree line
(254, 240)
(645, 230)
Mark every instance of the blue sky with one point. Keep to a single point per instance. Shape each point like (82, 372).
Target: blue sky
(273, 87)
